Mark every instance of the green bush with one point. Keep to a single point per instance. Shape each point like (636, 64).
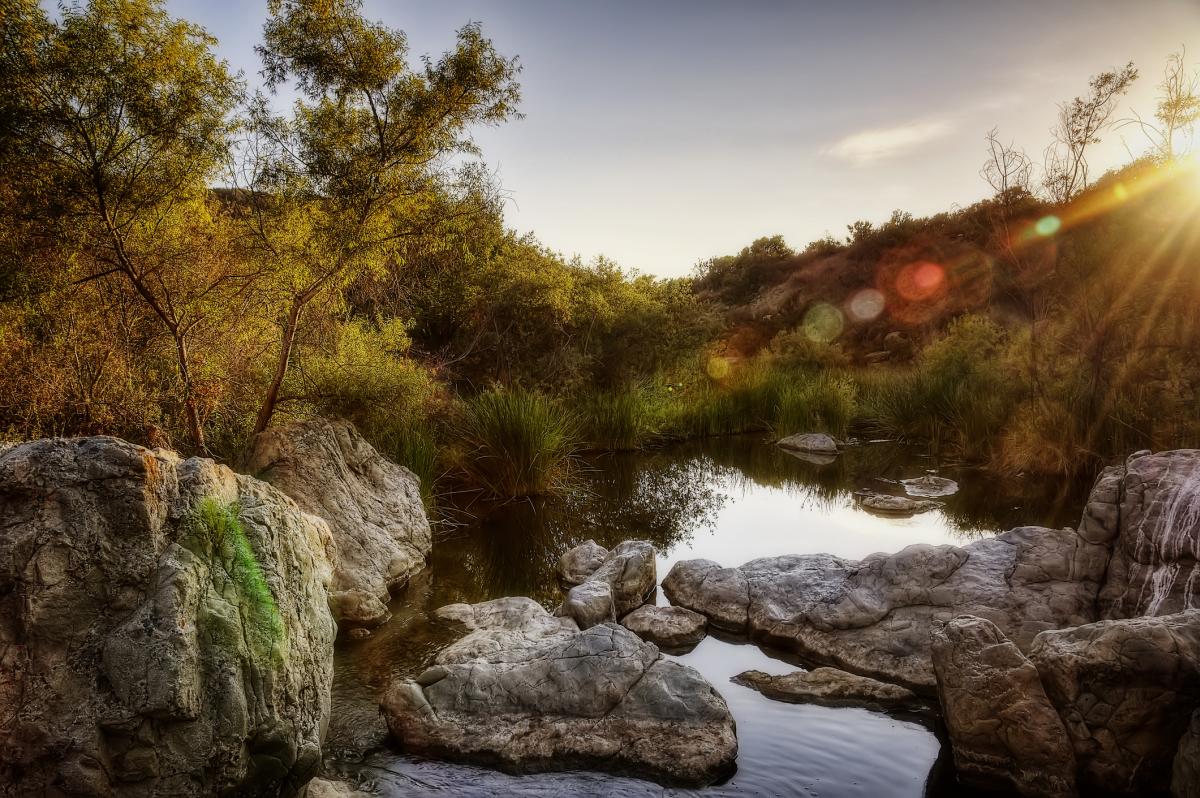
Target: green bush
(515, 443)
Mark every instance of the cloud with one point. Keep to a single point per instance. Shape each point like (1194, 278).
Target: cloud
(868, 146)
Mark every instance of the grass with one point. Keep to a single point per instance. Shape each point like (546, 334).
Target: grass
(515, 443)
(619, 420)
(824, 402)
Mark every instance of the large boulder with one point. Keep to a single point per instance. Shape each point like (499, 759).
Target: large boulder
(832, 688)
(673, 629)
(1149, 511)
(589, 603)
(1002, 726)
(875, 616)
(372, 505)
(526, 691)
(164, 626)
(580, 562)
(1126, 690)
(628, 568)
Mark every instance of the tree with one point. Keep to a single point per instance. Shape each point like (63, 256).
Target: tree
(1177, 111)
(363, 162)
(1008, 169)
(1080, 123)
(121, 117)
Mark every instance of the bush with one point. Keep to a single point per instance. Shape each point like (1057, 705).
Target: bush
(515, 443)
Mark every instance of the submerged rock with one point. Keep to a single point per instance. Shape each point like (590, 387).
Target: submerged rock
(1149, 510)
(372, 505)
(887, 504)
(832, 688)
(1126, 690)
(673, 629)
(874, 616)
(1002, 726)
(577, 564)
(811, 442)
(527, 692)
(929, 486)
(164, 626)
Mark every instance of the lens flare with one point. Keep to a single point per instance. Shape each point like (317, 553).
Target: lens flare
(823, 322)
(866, 305)
(1047, 226)
(919, 281)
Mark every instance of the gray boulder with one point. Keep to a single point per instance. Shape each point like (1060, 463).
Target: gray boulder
(832, 688)
(1149, 511)
(164, 626)
(1002, 726)
(577, 564)
(874, 617)
(811, 443)
(530, 693)
(372, 505)
(589, 604)
(673, 629)
(1126, 691)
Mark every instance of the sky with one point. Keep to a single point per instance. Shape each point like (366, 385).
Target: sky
(663, 133)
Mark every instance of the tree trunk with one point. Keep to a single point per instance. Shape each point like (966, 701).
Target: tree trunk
(191, 413)
(281, 366)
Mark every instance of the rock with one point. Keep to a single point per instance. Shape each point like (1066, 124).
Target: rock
(673, 629)
(164, 626)
(631, 572)
(589, 604)
(874, 617)
(325, 788)
(810, 442)
(1126, 690)
(887, 504)
(1150, 509)
(881, 356)
(554, 698)
(372, 505)
(358, 609)
(898, 342)
(577, 564)
(1185, 771)
(832, 688)
(1002, 727)
(929, 486)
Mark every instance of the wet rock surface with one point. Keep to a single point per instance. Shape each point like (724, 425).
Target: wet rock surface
(673, 629)
(525, 691)
(1002, 726)
(832, 688)
(372, 505)
(164, 626)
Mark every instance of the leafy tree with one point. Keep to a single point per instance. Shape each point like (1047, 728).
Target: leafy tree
(361, 164)
(116, 118)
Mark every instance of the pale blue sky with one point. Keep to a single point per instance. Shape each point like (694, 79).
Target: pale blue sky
(660, 133)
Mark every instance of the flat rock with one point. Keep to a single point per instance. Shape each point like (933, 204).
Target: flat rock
(1126, 690)
(832, 688)
(372, 505)
(1003, 728)
(811, 442)
(887, 504)
(874, 616)
(929, 486)
(164, 626)
(673, 629)
(554, 698)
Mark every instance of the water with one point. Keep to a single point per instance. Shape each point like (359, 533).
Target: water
(729, 500)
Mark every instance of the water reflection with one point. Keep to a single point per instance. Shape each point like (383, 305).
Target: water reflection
(729, 500)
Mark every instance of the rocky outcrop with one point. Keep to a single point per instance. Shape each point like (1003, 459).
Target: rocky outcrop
(875, 616)
(832, 688)
(577, 564)
(672, 629)
(164, 626)
(1002, 726)
(1149, 511)
(372, 505)
(526, 691)
(810, 443)
(628, 568)
(1126, 691)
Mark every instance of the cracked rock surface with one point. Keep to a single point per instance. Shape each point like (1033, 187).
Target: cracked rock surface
(372, 505)
(144, 650)
(874, 616)
(526, 691)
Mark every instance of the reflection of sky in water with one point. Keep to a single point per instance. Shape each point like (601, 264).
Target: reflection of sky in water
(730, 500)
